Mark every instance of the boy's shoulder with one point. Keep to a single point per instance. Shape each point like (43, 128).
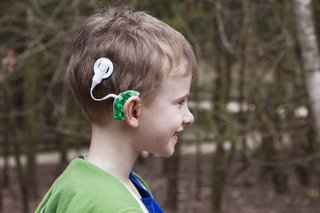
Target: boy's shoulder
(83, 187)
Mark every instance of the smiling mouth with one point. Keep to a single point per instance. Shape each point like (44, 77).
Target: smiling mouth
(176, 134)
(179, 131)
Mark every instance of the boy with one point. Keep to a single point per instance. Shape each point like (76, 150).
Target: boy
(131, 74)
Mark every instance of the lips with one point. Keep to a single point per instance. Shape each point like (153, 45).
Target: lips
(180, 130)
(177, 132)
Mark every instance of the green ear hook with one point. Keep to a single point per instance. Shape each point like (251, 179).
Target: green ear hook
(120, 100)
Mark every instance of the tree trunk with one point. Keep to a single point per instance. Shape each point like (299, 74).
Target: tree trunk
(246, 64)
(310, 56)
(173, 162)
(221, 93)
(30, 121)
(30, 130)
(14, 137)
(198, 158)
(4, 179)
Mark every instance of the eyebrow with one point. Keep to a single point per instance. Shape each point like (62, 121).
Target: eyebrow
(183, 97)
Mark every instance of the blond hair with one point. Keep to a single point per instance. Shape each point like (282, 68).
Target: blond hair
(142, 48)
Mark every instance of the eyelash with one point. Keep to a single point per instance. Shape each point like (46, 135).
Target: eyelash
(182, 102)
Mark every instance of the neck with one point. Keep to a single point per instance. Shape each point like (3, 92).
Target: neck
(112, 151)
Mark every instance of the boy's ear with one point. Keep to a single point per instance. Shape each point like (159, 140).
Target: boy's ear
(132, 111)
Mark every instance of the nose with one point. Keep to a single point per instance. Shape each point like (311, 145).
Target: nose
(188, 118)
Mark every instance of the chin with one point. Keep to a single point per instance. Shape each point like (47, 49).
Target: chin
(165, 151)
(168, 153)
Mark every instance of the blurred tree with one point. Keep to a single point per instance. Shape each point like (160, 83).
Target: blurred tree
(310, 55)
(172, 183)
(224, 54)
(30, 93)
(15, 138)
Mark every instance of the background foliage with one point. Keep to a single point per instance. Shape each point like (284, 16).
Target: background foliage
(249, 96)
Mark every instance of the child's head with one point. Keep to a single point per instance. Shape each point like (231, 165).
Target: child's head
(143, 50)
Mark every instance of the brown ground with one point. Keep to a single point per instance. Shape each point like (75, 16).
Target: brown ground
(243, 194)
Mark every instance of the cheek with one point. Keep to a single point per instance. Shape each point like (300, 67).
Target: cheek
(164, 120)
(167, 125)
(171, 116)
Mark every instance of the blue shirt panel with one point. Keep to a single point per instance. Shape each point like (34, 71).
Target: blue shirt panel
(146, 199)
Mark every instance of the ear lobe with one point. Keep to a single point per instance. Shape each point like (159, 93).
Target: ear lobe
(132, 111)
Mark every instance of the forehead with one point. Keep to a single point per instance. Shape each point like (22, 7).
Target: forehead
(175, 86)
(176, 82)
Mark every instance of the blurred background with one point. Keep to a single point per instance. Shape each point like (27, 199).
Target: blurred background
(255, 144)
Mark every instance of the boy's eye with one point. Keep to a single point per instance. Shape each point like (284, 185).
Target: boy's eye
(182, 102)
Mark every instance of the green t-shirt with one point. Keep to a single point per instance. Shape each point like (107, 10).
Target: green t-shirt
(84, 187)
